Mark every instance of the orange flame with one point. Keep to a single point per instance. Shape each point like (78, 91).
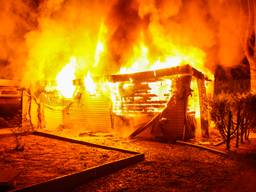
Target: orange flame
(141, 60)
(89, 84)
(65, 79)
(99, 50)
(100, 47)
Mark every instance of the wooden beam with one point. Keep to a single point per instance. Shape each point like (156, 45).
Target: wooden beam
(153, 74)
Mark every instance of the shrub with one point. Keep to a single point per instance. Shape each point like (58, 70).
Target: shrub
(234, 114)
(221, 114)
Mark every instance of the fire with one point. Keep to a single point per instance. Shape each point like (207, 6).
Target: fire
(99, 43)
(115, 97)
(141, 60)
(160, 88)
(89, 84)
(100, 47)
(168, 62)
(98, 52)
(65, 79)
(193, 103)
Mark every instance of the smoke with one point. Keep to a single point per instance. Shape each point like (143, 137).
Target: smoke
(125, 25)
(216, 27)
(231, 22)
(38, 38)
(17, 18)
(67, 29)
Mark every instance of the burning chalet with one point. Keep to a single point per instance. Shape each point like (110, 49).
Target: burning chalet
(167, 103)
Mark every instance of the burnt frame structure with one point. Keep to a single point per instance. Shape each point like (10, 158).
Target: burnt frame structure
(171, 121)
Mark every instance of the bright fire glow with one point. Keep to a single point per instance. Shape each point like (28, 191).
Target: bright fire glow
(100, 47)
(161, 89)
(89, 84)
(115, 97)
(65, 79)
(193, 102)
(99, 50)
(141, 60)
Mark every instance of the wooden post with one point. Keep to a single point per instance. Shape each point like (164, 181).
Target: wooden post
(203, 108)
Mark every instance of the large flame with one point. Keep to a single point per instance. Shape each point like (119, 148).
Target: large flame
(141, 60)
(65, 79)
(117, 40)
(100, 47)
(99, 50)
(89, 84)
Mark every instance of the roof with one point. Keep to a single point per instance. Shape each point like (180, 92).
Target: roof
(156, 74)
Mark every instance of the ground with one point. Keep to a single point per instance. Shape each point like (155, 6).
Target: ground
(171, 167)
(43, 158)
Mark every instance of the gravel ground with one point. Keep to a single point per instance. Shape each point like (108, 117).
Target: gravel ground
(167, 167)
(44, 158)
(174, 167)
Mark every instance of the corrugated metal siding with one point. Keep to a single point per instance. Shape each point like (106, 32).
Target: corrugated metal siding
(92, 113)
(52, 118)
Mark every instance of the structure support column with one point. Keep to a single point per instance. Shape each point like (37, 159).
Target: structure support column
(203, 108)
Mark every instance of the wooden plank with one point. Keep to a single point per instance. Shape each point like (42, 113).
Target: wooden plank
(203, 147)
(152, 75)
(198, 74)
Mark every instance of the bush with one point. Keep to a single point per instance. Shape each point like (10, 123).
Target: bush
(234, 114)
(221, 114)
